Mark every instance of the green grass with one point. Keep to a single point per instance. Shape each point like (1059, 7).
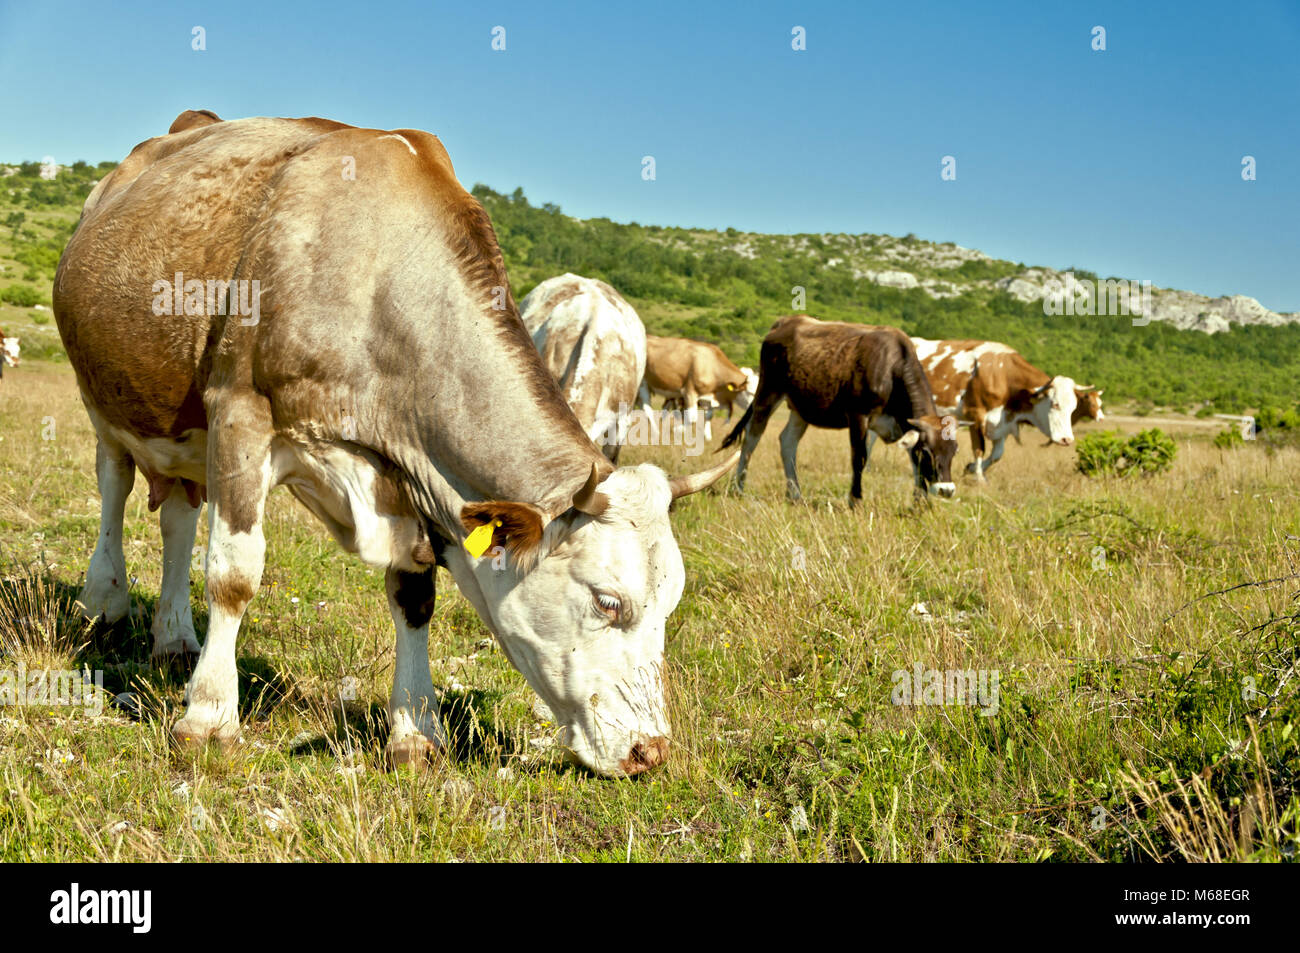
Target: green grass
(1124, 729)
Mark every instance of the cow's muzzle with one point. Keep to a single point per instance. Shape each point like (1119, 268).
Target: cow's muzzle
(646, 754)
(946, 490)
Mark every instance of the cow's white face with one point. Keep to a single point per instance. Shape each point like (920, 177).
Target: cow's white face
(585, 625)
(1053, 408)
(746, 397)
(11, 351)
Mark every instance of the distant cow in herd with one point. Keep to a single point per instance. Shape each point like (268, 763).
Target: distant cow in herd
(995, 390)
(854, 376)
(594, 345)
(8, 352)
(687, 372)
(384, 385)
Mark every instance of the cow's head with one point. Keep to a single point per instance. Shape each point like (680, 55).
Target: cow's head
(745, 393)
(579, 604)
(932, 443)
(1052, 409)
(10, 351)
(1089, 404)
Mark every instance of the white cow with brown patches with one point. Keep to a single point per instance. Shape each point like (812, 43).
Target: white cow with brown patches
(8, 352)
(593, 343)
(381, 382)
(996, 390)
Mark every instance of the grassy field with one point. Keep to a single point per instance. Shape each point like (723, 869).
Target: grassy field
(1139, 716)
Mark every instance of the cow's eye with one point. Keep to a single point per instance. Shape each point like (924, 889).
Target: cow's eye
(608, 605)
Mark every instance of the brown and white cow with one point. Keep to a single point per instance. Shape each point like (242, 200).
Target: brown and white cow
(593, 343)
(690, 371)
(996, 390)
(8, 352)
(1089, 405)
(838, 375)
(241, 313)
(709, 406)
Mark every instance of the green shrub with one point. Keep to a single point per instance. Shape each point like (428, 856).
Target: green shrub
(1108, 453)
(1151, 451)
(1100, 452)
(24, 296)
(1229, 437)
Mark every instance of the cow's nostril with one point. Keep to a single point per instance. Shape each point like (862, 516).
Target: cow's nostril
(646, 754)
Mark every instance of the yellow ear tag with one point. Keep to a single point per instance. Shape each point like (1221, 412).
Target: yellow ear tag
(480, 538)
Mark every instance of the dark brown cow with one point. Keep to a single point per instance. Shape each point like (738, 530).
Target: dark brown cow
(862, 377)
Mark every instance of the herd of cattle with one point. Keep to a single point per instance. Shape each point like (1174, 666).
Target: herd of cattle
(428, 421)
(874, 381)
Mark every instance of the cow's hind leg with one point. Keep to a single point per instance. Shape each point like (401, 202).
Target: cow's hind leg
(764, 403)
(240, 476)
(173, 620)
(415, 730)
(793, 432)
(105, 593)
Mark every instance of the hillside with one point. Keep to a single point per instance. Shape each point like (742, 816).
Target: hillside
(729, 286)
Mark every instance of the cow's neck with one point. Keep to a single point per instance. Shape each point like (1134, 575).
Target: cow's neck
(919, 396)
(479, 417)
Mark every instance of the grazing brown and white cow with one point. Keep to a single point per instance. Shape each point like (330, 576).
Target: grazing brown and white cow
(996, 390)
(709, 406)
(8, 352)
(593, 343)
(301, 302)
(838, 375)
(690, 371)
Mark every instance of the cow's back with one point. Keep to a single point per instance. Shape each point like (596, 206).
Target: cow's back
(674, 363)
(592, 342)
(248, 200)
(830, 370)
(952, 365)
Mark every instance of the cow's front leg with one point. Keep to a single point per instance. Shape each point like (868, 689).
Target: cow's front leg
(106, 592)
(415, 730)
(999, 444)
(859, 434)
(240, 476)
(977, 447)
(643, 398)
(173, 620)
(764, 404)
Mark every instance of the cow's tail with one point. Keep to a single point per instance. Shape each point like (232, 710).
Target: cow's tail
(739, 429)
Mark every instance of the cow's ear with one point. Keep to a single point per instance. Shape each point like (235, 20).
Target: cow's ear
(909, 439)
(517, 527)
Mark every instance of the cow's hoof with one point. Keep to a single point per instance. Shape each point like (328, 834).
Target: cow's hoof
(413, 751)
(180, 651)
(193, 736)
(97, 612)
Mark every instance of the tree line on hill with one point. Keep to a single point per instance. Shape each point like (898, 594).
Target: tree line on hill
(695, 283)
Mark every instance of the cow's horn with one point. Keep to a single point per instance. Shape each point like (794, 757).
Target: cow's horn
(1083, 390)
(588, 499)
(694, 482)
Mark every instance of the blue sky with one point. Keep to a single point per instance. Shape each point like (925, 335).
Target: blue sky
(1125, 162)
